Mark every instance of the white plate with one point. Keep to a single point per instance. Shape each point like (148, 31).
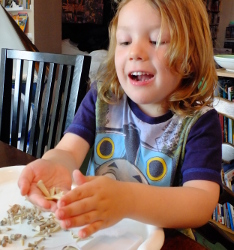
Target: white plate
(127, 234)
(225, 61)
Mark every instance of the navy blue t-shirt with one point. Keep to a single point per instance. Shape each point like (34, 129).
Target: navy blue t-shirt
(163, 151)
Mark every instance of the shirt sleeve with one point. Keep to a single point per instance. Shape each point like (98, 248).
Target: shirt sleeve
(84, 122)
(203, 153)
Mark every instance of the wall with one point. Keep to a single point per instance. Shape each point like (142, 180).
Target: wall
(226, 15)
(8, 38)
(48, 25)
(44, 26)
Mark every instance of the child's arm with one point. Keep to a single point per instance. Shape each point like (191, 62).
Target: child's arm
(179, 207)
(101, 202)
(69, 152)
(54, 169)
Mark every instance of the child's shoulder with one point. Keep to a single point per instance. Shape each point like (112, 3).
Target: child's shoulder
(205, 117)
(206, 110)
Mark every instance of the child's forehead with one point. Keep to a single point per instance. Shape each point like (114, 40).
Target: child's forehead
(167, 12)
(141, 15)
(139, 11)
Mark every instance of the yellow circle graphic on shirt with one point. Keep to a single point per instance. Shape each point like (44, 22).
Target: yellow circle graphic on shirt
(105, 148)
(161, 172)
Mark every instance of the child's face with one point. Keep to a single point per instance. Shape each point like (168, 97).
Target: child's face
(141, 67)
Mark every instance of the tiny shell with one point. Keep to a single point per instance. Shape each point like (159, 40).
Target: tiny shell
(69, 248)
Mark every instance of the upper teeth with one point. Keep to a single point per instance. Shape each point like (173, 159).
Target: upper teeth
(139, 73)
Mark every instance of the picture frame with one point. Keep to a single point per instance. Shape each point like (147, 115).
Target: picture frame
(82, 11)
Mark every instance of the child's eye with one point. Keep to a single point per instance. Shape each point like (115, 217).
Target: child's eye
(157, 43)
(154, 42)
(124, 43)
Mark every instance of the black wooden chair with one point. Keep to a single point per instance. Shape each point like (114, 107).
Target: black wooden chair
(211, 231)
(50, 90)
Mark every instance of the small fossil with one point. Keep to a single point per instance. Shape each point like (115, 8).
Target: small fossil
(52, 191)
(44, 224)
(22, 241)
(38, 241)
(54, 194)
(14, 209)
(43, 188)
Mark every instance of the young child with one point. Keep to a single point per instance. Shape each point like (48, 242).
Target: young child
(156, 138)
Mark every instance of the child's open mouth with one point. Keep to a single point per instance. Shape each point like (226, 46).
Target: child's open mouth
(140, 76)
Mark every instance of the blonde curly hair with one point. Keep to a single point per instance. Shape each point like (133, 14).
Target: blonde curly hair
(190, 39)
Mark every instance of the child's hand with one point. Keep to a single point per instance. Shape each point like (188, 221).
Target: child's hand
(51, 175)
(97, 202)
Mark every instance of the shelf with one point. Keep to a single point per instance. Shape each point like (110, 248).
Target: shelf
(14, 9)
(17, 9)
(224, 73)
(228, 231)
(23, 5)
(223, 227)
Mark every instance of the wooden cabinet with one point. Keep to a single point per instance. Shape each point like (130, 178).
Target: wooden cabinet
(44, 26)
(213, 10)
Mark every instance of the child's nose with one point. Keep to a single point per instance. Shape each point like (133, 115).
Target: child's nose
(138, 51)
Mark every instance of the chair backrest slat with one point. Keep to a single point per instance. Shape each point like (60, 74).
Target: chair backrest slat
(75, 90)
(54, 121)
(5, 96)
(36, 110)
(48, 89)
(45, 112)
(27, 105)
(16, 103)
(64, 108)
(224, 107)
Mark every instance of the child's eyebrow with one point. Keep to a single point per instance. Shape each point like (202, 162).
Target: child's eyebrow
(126, 28)
(123, 27)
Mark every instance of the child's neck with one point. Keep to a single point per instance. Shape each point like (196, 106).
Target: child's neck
(153, 110)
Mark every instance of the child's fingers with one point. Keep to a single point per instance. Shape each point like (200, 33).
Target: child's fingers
(79, 193)
(24, 186)
(40, 201)
(77, 208)
(80, 220)
(90, 229)
(78, 177)
(25, 180)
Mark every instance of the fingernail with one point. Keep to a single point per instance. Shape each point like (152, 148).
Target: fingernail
(61, 214)
(68, 223)
(61, 203)
(82, 234)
